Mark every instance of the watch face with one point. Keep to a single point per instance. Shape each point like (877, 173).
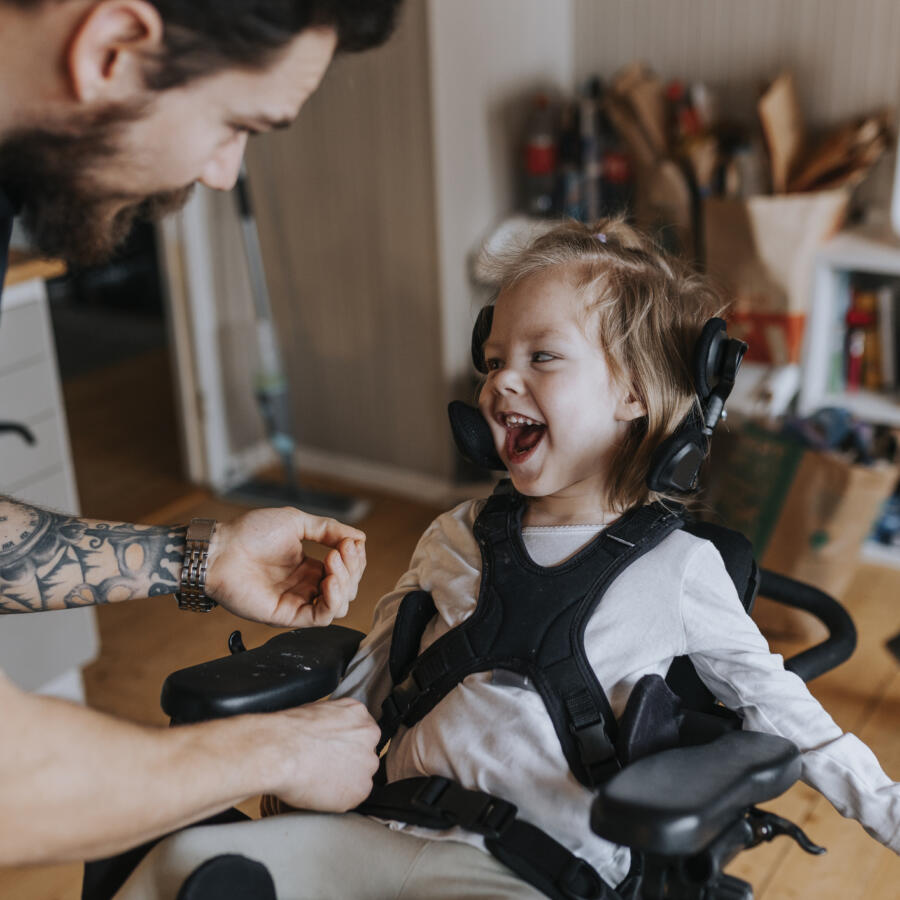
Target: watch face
(21, 527)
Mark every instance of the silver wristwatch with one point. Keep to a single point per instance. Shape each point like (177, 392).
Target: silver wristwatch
(192, 587)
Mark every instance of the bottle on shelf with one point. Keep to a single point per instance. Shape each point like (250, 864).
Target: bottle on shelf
(616, 175)
(591, 158)
(569, 180)
(540, 158)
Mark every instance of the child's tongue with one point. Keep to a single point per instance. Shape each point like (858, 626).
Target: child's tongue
(522, 438)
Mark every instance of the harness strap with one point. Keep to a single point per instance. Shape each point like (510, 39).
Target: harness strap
(416, 610)
(440, 803)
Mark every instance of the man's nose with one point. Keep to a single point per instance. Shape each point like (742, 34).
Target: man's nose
(222, 170)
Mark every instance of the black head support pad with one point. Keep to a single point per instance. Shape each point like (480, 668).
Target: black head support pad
(470, 431)
(675, 466)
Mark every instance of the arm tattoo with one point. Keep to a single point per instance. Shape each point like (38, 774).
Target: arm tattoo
(53, 561)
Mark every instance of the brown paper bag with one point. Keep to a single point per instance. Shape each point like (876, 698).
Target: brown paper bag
(761, 252)
(826, 517)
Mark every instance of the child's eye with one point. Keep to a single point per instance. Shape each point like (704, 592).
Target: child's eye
(493, 364)
(540, 356)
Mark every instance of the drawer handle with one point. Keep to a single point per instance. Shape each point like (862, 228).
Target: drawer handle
(23, 431)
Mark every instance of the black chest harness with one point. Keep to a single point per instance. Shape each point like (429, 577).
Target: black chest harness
(531, 620)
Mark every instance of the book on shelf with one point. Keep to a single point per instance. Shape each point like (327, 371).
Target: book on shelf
(889, 334)
(865, 349)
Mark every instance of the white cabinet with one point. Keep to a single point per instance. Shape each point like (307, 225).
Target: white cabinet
(39, 651)
(846, 253)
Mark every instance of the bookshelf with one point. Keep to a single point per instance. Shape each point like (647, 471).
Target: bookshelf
(858, 252)
(865, 252)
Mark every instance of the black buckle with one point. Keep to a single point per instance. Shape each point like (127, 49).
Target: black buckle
(453, 804)
(579, 881)
(598, 755)
(398, 702)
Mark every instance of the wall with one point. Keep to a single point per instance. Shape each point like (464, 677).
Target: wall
(368, 209)
(344, 204)
(487, 58)
(845, 53)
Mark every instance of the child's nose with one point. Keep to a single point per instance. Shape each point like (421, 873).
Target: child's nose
(508, 381)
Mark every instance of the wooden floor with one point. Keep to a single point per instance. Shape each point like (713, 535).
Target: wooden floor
(143, 641)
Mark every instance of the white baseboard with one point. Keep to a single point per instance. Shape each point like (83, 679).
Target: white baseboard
(440, 492)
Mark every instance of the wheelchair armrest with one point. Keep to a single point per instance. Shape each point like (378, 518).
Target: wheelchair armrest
(290, 669)
(675, 803)
(841, 641)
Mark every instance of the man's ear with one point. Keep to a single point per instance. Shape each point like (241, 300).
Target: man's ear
(629, 407)
(105, 54)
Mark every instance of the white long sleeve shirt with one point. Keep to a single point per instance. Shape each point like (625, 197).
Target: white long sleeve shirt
(677, 599)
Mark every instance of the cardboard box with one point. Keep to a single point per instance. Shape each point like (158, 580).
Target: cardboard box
(760, 252)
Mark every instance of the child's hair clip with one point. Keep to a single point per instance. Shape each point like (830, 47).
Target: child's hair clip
(600, 236)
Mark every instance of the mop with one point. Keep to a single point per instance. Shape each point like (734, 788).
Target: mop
(273, 398)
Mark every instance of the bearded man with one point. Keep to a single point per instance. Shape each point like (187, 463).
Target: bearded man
(110, 111)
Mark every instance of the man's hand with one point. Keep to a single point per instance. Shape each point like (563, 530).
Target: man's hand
(258, 568)
(326, 755)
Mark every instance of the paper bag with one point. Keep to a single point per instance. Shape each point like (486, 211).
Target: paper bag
(826, 517)
(761, 252)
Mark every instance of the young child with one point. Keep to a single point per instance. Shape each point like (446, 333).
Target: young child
(588, 365)
(588, 370)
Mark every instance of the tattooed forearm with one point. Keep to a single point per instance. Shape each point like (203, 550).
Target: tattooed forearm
(53, 561)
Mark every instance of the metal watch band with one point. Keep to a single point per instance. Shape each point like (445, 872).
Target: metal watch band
(192, 588)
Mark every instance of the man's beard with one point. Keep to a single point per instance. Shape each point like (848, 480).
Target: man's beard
(51, 173)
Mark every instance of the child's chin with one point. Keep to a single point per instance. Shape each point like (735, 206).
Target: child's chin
(528, 487)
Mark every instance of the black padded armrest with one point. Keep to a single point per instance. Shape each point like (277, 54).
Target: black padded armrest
(838, 647)
(676, 802)
(290, 669)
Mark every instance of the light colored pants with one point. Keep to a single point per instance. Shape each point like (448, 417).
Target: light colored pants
(320, 856)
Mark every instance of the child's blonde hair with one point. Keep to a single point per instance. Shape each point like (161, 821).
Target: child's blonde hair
(646, 311)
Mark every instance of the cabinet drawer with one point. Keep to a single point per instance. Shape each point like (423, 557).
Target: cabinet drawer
(22, 335)
(51, 490)
(38, 647)
(28, 393)
(20, 461)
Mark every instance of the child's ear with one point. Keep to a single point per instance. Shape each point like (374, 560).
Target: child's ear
(629, 407)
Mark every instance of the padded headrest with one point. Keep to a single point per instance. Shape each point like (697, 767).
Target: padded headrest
(473, 437)
(709, 356)
(480, 332)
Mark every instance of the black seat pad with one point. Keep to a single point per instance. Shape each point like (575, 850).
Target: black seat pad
(676, 802)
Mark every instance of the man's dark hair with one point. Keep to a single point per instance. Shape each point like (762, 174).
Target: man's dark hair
(203, 36)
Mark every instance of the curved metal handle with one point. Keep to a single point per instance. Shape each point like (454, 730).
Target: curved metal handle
(23, 431)
(841, 641)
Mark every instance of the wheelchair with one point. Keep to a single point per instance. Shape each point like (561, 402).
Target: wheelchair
(684, 801)
(686, 811)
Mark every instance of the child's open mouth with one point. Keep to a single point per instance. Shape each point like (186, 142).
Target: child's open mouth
(522, 436)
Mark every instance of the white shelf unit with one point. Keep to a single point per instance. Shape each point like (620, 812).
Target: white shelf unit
(876, 253)
(850, 251)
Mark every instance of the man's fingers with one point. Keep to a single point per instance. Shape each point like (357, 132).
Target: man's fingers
(353, 553)
(325, 531)
(338, 587)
